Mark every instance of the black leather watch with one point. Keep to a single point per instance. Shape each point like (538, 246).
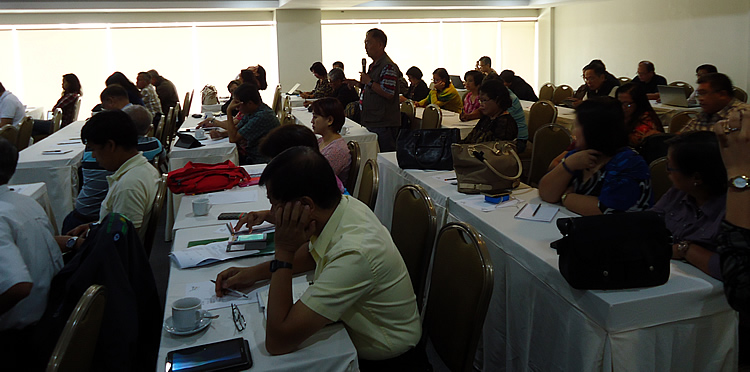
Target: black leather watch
(276, 264)
(71, 242)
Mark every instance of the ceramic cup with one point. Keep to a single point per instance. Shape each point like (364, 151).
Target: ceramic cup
(201, 206)
(200, 134)
(187, 313)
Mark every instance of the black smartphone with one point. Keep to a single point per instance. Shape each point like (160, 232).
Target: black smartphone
(230, 215)
(229, 355)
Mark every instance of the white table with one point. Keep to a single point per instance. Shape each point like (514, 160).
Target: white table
(330, 349)
(295, 100)
(59, 172)
(667, 112)
(452, 120)
(38, 192)
(35, 112)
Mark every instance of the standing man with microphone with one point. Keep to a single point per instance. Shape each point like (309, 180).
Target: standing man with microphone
(379, 97)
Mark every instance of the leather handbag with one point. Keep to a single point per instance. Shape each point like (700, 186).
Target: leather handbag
(487, 167)
(197, 178)
(614, 251)
(426, 148)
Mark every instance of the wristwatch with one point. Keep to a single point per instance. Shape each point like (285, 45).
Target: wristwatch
(71, 242)
(563, 197)
(740, 182)
(683, 247)
(369, 84)
(276, 264)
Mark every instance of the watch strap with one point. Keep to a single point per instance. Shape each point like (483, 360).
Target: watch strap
(276, 264)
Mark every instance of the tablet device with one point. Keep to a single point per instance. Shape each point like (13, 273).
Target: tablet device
(229, 355)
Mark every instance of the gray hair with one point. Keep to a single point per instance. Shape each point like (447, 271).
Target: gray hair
(141, 117)
(336, 74)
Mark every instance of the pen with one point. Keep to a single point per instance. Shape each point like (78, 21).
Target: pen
(450, 179)
(536, 210)
(232, 291)
(229, 227)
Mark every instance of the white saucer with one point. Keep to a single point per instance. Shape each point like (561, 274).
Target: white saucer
(205, 322)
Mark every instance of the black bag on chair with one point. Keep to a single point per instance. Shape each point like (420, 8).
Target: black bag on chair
(614, 251)
(426, 148)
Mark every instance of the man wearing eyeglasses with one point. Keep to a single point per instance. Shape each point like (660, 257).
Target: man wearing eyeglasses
(647, 76)
(595, 84)
(716, 97)
(360, 278)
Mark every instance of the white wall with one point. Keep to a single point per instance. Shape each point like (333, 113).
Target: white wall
(676, 35)
(299, 45)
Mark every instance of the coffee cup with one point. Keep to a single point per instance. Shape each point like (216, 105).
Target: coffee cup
(187, 314)
(209, 115)
(201, 206)
(200, 134)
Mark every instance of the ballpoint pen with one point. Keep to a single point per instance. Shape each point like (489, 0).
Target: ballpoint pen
(536, 210)
(232, 291)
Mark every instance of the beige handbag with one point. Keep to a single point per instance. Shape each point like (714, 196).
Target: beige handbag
(488, 167)
(209, 95)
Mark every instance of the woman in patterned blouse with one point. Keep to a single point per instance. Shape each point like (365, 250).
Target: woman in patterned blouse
(602, 174)
(641, 120)
(67, 102)
(473, 80)
(328, 119)
(322, 87)
(496, 123)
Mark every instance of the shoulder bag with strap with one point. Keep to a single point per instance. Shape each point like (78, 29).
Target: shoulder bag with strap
(487, 167)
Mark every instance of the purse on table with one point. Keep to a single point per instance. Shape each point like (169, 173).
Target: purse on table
(487, 167)
(426, 148)
(614, 251)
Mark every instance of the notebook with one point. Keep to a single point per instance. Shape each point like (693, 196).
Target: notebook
(294, 89)
(457, 83)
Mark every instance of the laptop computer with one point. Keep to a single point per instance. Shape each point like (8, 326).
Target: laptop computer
(457, 83)
(294, 89)
(674, 96)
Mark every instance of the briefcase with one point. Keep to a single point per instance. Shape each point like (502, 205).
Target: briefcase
(426, 148)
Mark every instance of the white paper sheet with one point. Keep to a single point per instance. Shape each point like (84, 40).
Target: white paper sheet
(477, 202)
(537, 212)
(447, 177)
(233, 196)
(206, 292)
(206, 254)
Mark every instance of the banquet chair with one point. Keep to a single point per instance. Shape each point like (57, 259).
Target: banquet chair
(287, 119)
(413, 228)
(660, 182)
(688, 88)
(276, 99)
(549, 141)
(740, 94)
(679, 121)
(56, 120)
(161, 162)
(24, 133)
(10, 133)
(368, 186)
(75, 348)
(541, 112)
(562, 93)
(159, 129)
(186, 105)
(171, 126)
(432, 117)
(78, 108)
(546, 91)
(281, 110)
(455, 308)
(407, 107)
(624, 80)
(356, 154)
(153, 220)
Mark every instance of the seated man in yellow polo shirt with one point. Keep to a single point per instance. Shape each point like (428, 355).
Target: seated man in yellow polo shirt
(360, 277)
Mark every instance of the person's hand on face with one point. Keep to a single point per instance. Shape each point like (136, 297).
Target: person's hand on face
(294, 226)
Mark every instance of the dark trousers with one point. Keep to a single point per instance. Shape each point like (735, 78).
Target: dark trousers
(386, 137)
(42, 127)
(414, 360)
(75, 219)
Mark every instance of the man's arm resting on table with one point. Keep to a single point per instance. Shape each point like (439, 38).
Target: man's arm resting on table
(14, 295)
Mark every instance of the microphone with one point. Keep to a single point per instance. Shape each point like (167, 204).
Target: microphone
(364, 65)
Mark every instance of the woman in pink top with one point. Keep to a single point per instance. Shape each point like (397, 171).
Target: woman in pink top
(472, 81)
(328, 119)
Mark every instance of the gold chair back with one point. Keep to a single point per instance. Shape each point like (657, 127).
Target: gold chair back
(24, 133)
(624, 80)
(186, 105)
(10, 133)
(547, 91)
(740, 94)
(368, 186)
(660, 182)
(75, 348)
(542, 112)
(549, 141)
(679, 121)
(159, 132)
(276, 99)
(56, 120)
(407, 107)
(356, 154)
(688, 88)
(78, 109)
(455, 309)
(153, 220)
(413, 229)
(432, 117)
(562, 92)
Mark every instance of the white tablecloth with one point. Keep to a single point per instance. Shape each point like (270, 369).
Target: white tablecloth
(451, 120)
(38, 191)
(330, 349)
(59, 172)
(35, 112)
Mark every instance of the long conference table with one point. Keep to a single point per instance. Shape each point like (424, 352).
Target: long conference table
(537, 322)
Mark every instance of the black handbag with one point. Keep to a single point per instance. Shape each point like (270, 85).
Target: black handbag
(614, 251)
(426, 148)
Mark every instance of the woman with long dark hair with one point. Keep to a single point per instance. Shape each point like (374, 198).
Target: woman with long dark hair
(70, 95)
(641, 120)
(134, 95)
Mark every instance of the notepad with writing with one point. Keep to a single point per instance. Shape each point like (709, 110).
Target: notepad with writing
(537, 212)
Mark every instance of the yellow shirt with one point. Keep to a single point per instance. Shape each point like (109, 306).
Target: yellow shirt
(132, 190)
(361, 279)
(447, 99)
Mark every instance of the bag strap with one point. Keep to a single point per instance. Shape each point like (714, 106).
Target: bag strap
(484, 160)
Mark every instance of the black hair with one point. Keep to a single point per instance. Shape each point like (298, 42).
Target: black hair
(74, 85)
(649, 65)
(476, 75)
(496, 91)
(285, 137)
(247, 92)
(233, 82)
(486, 60)
(718, 82)
(507, 76)
(261, 78)
(248, 76)
(415, 72)
(120, 79)
(598, 68)
(637, 93)
(378, 34)
(708, 68)
(110, 125)
(597, 62)
(698, 152)
(8, 160)
(112, 91)
(319, 69)
(154, 74)
(443, 75)
(603, 125)
(330, 106)
(301, 171)
(338, 64)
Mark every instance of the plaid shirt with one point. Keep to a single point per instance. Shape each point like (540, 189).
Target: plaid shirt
(67, 103)
(252, 128)
(151, 99)
(705, 122)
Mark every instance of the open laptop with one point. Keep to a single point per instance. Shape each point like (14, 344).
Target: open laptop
(294, 89)
(457, 83)
(674, 96)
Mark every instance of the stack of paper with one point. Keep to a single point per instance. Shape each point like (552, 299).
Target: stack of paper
(537, 212)
(206, 254)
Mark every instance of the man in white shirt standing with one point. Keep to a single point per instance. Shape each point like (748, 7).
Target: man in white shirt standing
(11, 108)
(29, 258)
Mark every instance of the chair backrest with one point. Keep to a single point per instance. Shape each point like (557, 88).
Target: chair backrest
(276, 98)
(159, 132)
(455, 309)
(561, 93)
(368, 186)
(542, 112)
(24, 133)
(56, 120)
(10, 133)
(281, 110)
(547, 91)
(740, 94)
(688, 88)
(413, 229)
(153, 220)
(186, 105)
(660, 181)
(287, 119)
(356, 154)
(78, 108)
(624, 80)
(549, 141)
(679, 121)
(75, 348)
(161, 162)
(407, 107)
(432, 117)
